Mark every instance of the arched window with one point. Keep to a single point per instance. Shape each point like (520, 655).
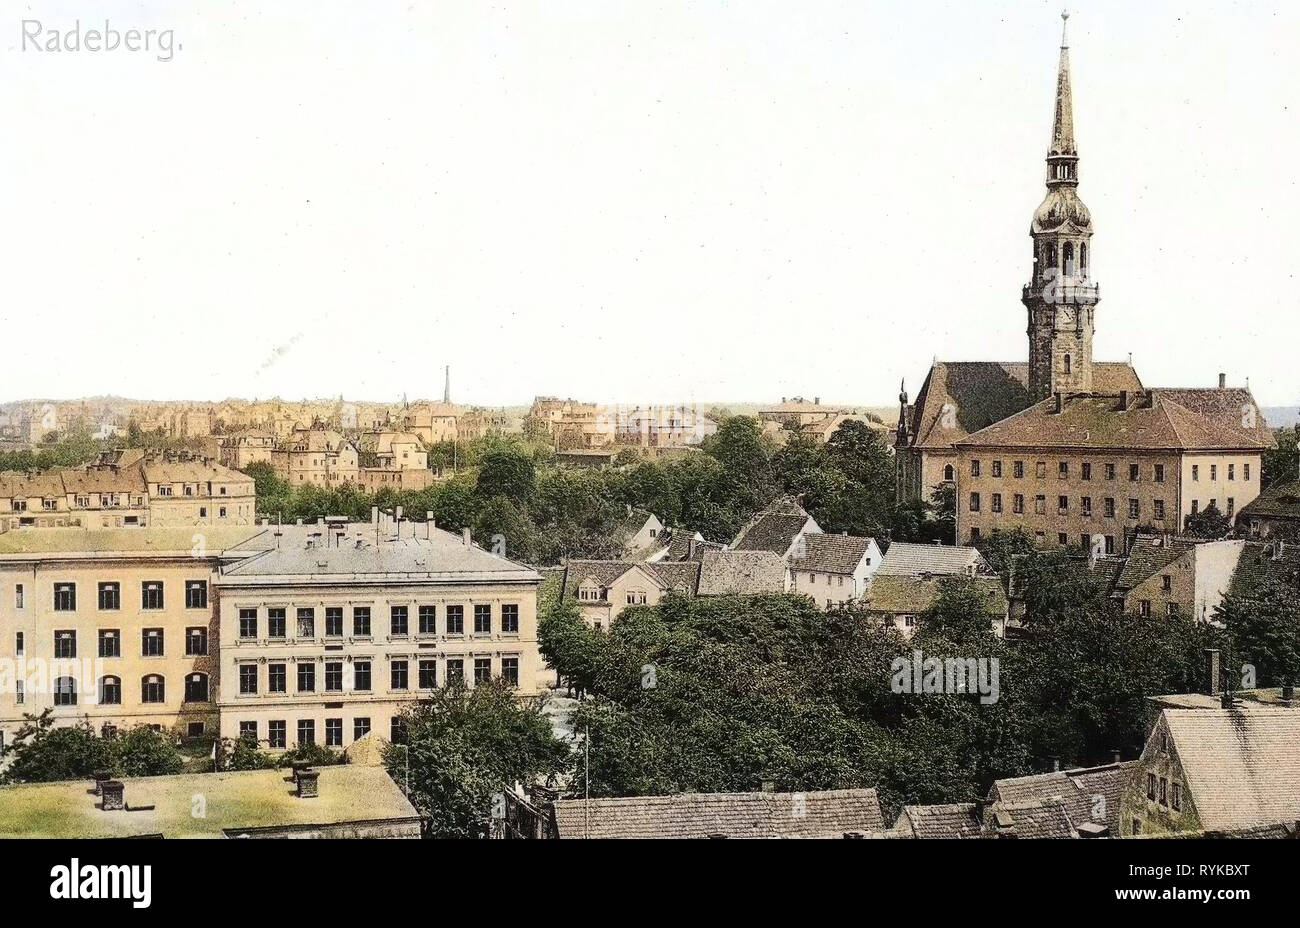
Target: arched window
(1083, 260)
(1068, 365)
(65, 691)
(196, 687)
(1067, 259)
(1049, 255)
(153, 689)
(110, 691)
(948, 473)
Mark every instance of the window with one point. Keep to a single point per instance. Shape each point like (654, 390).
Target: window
(196, 594)
(306, 678)
(153, 689)
(247, 679)
(455, 671)
(360, 728)
(1018, 470)
(1086, 503)
(1144, 607)
(997, 468)
(248, 731)
(397, 676)
(634, 598)
(482, 618)
(1196, 472)
(1062, 505)
(333, 676)
(510, 670)
(275, 733)
(510, 618)
(110, 597)
(277, 680)
(151, 594)
(428, 621)
(1110, 507)
(151, 642)
(361, 676)
(1134, 473)
(428, 674)
(361, 621)
(1134, 509)
(482, 669)
(1167, 583)
(1063, 470)
(1040, 505)
(1158, 506)
(1245, 475)
(1176, 800)
(1164, 791)
(247, 623)
(1196, 506)
(1232, 507)
(974, 539)
(65, 643)
(996, 502)
(1151, 786)
(1160, 473)
(306, 622)
(334, 622)
(19, 692)
(397, 621)
(1171, 610)
(306, 732)
(333, 733)
(1110, 544)
(196, 642)
(1085, 471)
(397, 730)
(1040, 469)
(1062, 539)
(1018, 504)
(65, 597)
(1069, 365)
(974, 502)
(110, 643)
(1136, 827)
(18, 589)
(1214, 472)
(110, 691)
(1110, 471)
(65, 691)
(196, 687)
(974, 468)
(275, 622)
(948, 473)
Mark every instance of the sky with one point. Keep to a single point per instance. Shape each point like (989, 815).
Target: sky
(630, 202)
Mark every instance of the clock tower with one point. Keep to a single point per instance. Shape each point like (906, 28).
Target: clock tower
(1061, 297)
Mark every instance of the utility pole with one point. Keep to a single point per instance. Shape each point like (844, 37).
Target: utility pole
(586, 782)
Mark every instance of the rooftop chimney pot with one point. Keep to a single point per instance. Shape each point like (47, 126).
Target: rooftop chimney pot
(1213, 679)
(466, 536)
(1223, 381)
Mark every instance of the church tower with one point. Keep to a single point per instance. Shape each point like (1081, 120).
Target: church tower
(1061, 297)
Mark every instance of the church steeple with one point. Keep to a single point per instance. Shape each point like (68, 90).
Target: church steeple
(1061, 297)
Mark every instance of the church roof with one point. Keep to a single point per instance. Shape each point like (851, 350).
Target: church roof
(981, 393)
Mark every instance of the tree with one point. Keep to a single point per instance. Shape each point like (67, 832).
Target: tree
(43, 752)
(1209, 523)
(464, 747)
(506, 470)
(1264, 627)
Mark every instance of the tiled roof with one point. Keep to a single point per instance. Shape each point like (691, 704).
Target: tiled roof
(827, 814)
(741, 573)
(958, 820)
(774, 528)
(832, 554)
(980, 393)
(680, 577)
(1242, 765)
(678, 547)
(905, 559)
(903, 595)
(1279, 502)
(1035, 818)
(1154, 421)
(1079, 789)
(1148, 556)
(677, 576)
(1259, 562)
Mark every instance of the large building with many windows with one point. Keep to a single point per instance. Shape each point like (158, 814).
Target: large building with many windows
(1072, 450)
(295, 634)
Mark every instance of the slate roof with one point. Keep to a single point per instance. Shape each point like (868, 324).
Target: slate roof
(1279, 502)
(980, 393)
(906, 559)
(958, 820)
(1093, 421)
(1078, 789)
(742, 573)
(826, 814)
(1242, 766)
(774, 528)
(832, 554)
(903, 595)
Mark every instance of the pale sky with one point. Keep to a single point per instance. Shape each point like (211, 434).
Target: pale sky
(632, 202)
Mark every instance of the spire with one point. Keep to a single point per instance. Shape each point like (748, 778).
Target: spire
(1063, 127)
(446, 387)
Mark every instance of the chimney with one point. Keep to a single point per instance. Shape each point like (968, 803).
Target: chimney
(1212, 671)
(307, 784)
(1123, 400)
(1114, 757)
(768, 786)
(692, 548)
(817, 400)
(1056, 764)
(113, 795)
(1223, 381)
(466, 537)
(1056, 402)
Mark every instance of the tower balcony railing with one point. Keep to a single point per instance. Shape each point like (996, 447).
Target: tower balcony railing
(1061, 292)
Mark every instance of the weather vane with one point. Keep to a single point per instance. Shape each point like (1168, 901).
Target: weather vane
(1065, 25)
